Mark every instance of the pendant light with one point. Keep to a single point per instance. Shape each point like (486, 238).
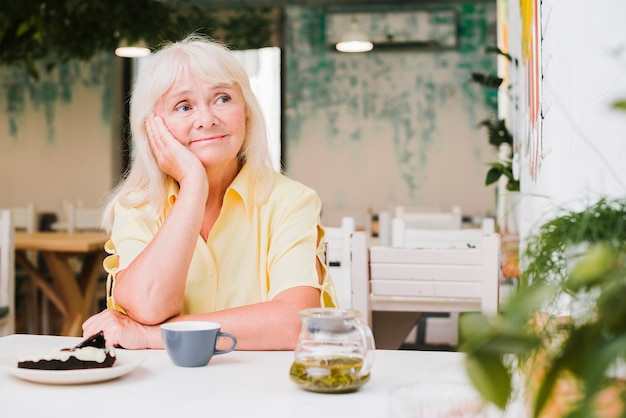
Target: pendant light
(139, 49)
(355, 40)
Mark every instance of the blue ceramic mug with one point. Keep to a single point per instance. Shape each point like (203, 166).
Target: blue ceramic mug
(193, 343)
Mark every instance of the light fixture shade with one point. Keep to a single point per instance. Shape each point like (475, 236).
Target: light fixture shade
(355, 40)
(140, 49)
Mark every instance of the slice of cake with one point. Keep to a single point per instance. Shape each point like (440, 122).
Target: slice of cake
(92, 353)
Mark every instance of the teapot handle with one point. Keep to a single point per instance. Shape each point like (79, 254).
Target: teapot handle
(370, 347)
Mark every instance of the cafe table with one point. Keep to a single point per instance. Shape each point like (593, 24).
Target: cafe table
(236, 384)
(72, 293)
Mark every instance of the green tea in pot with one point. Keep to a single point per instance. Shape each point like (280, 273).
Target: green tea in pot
(333, 375)
(335, 351)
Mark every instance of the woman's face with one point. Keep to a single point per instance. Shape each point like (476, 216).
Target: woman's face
(208, 119)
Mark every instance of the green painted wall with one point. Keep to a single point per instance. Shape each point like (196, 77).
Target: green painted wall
(389, 127)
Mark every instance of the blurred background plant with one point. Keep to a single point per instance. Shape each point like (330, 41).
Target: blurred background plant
(498, 134)
(502, 140)
(564, 331)
(50, 32)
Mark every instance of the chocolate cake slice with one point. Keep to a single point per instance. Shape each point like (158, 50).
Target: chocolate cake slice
(91, 353)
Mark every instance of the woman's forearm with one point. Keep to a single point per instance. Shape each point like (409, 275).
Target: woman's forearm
(273, 325)
(151, 288)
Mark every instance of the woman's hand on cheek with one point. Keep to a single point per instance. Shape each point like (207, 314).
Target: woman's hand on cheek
(173, 157)
(119, 330)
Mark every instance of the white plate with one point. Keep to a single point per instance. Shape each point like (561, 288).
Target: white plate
(125, 363)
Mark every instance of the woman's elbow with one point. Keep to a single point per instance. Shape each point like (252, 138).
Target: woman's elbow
(151, 316)
(148, 312)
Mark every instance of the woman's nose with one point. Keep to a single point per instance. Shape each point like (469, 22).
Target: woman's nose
(206, 117)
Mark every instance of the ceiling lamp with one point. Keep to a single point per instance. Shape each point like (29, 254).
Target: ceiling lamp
(139, 49)
(355, 40)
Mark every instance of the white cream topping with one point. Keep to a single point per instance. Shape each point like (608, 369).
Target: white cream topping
(83, 354)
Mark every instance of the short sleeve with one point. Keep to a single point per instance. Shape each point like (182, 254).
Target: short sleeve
(129, 236)
(294, 247)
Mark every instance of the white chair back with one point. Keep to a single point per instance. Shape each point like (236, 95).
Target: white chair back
(79, 218)
(407, 236)
(7, 274)
(24, 218)
(384, 228)
(338, 258)
(441, 278)
(431, 219)
(84, 219)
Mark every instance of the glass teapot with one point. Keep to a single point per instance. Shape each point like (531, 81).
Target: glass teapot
(335, 351)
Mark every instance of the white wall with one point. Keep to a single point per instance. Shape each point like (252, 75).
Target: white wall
(60, 141)
(583, 141)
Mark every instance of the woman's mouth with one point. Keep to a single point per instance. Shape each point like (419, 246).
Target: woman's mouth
(211, 138)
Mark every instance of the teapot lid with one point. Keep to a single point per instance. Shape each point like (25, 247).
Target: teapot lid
(330, 313)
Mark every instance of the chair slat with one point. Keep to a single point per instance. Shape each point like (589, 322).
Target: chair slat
(417, 272)
(338, 258)
(440, 279)
(460, 290)
(467, 256)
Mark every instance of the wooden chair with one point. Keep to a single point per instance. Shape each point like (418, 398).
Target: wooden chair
(338, 258)
(7, 274)
(455, 278)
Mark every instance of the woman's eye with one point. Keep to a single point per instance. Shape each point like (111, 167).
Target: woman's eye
(182, 108)
(223, 99)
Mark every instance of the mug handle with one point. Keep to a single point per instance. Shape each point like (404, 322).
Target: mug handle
(227, 335)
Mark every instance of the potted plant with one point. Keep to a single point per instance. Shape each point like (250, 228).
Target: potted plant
(500, 137)
(497, 133)
(566, 362)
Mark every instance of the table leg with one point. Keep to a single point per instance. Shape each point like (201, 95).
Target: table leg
(66, 284)
(73, 326)
(77, 292)
(88, 279)
(40, 282)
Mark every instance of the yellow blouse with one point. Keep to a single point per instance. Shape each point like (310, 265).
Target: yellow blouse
(253, 252)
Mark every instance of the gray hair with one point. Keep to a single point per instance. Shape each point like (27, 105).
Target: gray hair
(145, 184)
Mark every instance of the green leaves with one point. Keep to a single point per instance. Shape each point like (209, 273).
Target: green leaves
(498, 170)
(578, 253)
(486, 341)
(620, 104)
(498, 134)
(490, 377)
(487, 80)
(598, 262)
(49, 32)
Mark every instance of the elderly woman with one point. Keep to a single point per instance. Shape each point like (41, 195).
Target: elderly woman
(202, 227)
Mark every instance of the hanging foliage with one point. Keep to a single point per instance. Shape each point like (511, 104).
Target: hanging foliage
(50, 32)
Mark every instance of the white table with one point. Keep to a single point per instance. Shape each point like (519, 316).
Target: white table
(237, 384)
